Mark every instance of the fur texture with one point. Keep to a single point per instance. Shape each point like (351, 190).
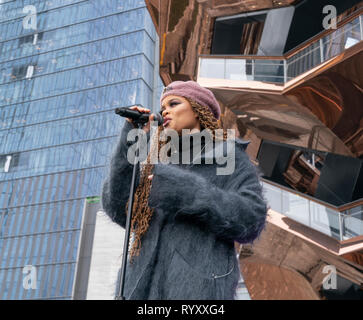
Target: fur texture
(188, 251)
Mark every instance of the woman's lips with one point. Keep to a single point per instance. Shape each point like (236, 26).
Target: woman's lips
(166, 122)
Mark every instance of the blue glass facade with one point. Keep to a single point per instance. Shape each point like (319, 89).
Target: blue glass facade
(59, 86)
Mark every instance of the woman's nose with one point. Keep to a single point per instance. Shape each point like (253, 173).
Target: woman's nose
(164, 113)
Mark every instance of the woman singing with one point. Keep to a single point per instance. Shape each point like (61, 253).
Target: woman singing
(186, 217)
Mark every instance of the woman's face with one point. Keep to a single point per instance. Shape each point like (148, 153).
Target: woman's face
(178, 114)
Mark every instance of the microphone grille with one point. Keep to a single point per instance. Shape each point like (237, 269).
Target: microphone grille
(159, 118)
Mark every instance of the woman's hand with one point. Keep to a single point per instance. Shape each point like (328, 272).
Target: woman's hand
(146, 127)
(150, 177)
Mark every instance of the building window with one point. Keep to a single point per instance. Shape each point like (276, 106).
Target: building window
(9, 161)
(239, 35)
(30, 39)
(19, 72)
(5, 161)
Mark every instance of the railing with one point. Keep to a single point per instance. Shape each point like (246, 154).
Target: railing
(337, 222)
(283, 68)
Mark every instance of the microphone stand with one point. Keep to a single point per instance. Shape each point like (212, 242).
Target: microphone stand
(120, 295)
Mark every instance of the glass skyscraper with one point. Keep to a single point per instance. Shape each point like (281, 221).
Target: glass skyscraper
(64, 67)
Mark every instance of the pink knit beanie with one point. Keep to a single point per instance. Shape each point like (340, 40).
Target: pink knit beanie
(192, 90)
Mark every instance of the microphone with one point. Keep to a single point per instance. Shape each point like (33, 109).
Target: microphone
(137, 116)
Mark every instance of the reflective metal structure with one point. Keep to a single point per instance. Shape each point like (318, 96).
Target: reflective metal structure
(296, 93)
(60, 83)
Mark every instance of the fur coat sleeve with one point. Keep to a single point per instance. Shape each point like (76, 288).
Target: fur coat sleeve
(116, 187)
(236, 212)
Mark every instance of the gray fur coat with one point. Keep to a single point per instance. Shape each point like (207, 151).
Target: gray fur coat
(188, 251)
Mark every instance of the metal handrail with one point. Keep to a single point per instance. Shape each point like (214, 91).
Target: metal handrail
(290, 60)
(342, 208)
(322, 34)
(345, 230)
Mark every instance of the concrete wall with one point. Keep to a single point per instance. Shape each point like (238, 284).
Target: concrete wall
(106, 258)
